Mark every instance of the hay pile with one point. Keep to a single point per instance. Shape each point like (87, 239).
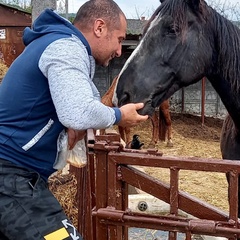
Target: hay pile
(64, 188)
(3, 70)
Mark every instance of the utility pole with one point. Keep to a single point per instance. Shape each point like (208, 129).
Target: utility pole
(66, 8)
(62, 7)
(39, 6)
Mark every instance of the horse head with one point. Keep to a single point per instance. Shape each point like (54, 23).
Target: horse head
(174, 52)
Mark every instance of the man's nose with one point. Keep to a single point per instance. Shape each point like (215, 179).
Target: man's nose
(119, 51)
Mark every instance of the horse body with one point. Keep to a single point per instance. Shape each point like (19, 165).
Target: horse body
(230, 140)
(183, 42)
(161, 125)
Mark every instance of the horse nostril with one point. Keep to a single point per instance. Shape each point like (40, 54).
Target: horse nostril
(125, 99)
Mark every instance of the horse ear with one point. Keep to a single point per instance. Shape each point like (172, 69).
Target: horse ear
(194, 4)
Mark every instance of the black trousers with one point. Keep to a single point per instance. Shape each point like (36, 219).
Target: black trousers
(28, 210)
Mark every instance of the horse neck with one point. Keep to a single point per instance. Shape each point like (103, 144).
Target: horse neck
(229, 96)
(107, 97)
(225, 75)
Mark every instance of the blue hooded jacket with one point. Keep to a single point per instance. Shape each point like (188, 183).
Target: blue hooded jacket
(29, 126)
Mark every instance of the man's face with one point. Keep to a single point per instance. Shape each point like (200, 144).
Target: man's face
(110, 45)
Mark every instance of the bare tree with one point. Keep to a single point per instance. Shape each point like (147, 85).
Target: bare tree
(228, 9)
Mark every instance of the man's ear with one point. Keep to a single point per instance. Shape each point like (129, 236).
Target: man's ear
(99, 27)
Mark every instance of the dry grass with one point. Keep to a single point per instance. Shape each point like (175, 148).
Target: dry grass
(64, 187)
(3, 70)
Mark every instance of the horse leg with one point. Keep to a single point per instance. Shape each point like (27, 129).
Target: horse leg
(166, 123)
(154, 121)
(127, 131)
(164, 129)
(169, 129)
(121, 131)
(162, 125)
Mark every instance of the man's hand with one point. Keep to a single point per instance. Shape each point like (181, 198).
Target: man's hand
(74, 136)
(130, 116)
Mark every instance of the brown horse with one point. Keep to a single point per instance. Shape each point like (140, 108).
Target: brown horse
(161, 124)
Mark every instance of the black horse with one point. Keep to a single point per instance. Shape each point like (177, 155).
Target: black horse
(184, 41)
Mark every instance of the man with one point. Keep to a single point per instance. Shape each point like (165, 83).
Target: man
(47, 90)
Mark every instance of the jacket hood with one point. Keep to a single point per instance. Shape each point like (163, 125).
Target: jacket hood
(49, 22)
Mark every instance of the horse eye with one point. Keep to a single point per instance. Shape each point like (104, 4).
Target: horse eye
(173, 30)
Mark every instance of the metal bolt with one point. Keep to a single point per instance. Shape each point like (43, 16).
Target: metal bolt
(142, 206)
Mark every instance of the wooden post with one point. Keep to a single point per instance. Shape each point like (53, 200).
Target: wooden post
(203, 100)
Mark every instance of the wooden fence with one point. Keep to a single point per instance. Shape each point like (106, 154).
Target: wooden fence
(103, 193)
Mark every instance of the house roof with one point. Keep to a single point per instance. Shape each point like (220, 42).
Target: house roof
(135, 26)
(14, 7)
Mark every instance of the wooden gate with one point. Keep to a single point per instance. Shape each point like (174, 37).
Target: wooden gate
(103, 193)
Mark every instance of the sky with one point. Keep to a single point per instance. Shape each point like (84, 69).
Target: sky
(145, 8)
(131, 8)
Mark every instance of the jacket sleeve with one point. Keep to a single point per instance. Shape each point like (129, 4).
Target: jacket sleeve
(67, 66)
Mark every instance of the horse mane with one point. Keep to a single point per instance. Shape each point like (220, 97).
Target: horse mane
(226, 36)
(176, 9)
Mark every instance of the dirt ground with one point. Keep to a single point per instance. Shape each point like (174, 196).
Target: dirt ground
(191, 139)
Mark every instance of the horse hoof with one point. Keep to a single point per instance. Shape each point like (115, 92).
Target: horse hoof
(169, 144)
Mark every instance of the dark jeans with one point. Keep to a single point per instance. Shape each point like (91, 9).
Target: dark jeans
(28, 210)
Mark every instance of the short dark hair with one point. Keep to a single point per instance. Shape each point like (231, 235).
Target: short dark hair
(108, 10)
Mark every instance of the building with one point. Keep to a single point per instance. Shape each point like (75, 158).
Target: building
(12, 23)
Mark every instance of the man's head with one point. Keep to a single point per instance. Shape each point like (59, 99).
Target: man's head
(104, 25)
